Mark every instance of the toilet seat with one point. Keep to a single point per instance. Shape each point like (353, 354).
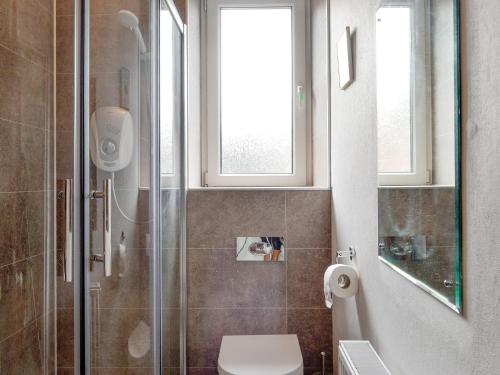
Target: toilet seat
(260, 355)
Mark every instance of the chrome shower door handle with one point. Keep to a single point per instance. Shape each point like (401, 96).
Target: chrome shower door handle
(68, 230)
(106, 257)
(65, 231)
(107, 228)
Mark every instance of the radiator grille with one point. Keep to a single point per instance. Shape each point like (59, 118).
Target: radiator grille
(359, 358)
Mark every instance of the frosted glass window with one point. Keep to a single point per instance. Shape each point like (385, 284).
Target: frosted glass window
(256, 91)
(167, 89)
(394, 109)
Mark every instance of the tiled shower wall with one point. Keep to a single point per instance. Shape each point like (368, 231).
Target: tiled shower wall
(226, 297)
(26, 185)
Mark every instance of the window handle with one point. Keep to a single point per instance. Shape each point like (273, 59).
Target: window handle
(301, 96)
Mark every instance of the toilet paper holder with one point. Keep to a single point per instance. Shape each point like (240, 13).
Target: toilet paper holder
(351, 253)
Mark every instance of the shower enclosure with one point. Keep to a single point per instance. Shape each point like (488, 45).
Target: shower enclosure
(92, 266)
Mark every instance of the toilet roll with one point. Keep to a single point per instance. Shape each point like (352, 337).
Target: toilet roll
(343, 280)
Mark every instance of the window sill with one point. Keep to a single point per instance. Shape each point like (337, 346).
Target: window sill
(254, 188)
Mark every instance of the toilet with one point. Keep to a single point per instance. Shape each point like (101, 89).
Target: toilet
(260, 354)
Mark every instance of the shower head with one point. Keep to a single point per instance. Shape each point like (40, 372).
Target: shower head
(131, 22)
(128, 19)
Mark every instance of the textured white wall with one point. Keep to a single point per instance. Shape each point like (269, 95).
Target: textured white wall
(414, 333)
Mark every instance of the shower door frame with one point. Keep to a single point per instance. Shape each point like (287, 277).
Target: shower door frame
(81, 196)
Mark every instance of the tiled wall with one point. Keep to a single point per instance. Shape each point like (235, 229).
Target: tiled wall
(26, 185)
(226, 297)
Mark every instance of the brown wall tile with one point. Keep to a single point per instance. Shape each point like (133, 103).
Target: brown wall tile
(228, 297)
(25, 90)
(26, 29)
(22, 157)
(22, 353)
(64, 44)
(216, 218)
(314, 329)
(305, 269)
(65, 338)
(308, 219)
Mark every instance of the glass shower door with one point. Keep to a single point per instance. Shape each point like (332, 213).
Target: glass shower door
(133, 204)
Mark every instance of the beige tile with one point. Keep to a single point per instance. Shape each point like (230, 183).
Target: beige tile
(26, 29)
(305, 269)
(216, 218)
(308, 219)
(314, 329)
(25, 90)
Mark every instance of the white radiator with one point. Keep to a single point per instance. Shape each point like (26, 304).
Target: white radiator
(359, 358)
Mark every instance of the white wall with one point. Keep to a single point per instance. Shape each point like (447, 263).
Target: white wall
(414, 333)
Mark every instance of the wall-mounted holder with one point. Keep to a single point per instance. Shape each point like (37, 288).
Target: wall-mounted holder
(351, 253)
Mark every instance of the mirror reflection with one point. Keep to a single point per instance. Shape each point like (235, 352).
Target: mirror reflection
(417, 93)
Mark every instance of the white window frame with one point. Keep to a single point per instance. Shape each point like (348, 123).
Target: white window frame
(212, 163)
(421, 110)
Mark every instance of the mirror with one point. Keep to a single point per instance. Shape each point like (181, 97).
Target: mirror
(418, 121)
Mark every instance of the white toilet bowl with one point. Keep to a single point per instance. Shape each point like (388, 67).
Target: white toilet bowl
(260, 355)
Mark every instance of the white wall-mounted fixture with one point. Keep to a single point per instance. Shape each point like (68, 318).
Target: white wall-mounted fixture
(344, 56)
(112, 138)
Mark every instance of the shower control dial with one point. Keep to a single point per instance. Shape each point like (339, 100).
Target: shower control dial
(108, 147)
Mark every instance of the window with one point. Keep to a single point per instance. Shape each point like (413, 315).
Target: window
(256, 79)
(401, 94)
